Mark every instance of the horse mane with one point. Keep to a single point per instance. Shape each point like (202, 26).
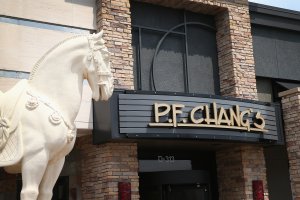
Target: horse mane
(99, 60)
(96, 44)
(37, 64)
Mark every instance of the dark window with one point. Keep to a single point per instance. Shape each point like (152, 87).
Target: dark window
(174, 50)
(276, 52)
(269, 88)
(264, 89)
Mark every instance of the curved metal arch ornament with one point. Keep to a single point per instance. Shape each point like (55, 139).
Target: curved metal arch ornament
(154, 61)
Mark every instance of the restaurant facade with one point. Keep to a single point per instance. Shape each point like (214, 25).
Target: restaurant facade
(206, 104)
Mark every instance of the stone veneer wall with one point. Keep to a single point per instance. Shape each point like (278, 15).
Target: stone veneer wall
(237, 168)
(113, 17)
(103, 166)
(291, 116)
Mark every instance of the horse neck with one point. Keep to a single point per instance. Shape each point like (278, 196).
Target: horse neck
(59, 76)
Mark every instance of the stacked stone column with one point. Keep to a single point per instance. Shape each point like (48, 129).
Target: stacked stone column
(291, 116)
(113, 17)
(237, 167)
(104, 166)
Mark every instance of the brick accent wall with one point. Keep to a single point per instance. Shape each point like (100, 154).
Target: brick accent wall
(228, 161)
(113, 17)
(237, 168)
(291, 109)
(103, 166)
(235, 53)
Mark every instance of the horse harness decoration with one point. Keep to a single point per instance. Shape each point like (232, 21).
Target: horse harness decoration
(55, 118)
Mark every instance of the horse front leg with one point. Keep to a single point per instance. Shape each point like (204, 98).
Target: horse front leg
(50, 177)
(33, 169)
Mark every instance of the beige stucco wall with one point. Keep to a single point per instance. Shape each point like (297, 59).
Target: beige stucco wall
(78, 13)
(7, 83)
(21, 46)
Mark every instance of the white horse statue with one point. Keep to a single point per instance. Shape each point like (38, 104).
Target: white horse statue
(37, 116)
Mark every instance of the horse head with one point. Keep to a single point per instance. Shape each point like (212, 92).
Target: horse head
(97, 71)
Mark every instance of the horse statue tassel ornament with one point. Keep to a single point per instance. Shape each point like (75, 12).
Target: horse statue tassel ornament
(37, 115)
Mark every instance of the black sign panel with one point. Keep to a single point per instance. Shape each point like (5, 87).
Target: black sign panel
(187, 117)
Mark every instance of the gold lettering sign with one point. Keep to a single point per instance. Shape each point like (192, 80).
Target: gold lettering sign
(209, 116)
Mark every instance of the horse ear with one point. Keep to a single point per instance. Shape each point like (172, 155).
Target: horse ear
(100, 34)
(97, 38)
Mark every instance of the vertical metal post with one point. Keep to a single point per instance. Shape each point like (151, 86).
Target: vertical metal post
(185, 71)
(139, 64)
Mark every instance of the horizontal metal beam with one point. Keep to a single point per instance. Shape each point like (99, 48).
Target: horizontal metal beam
(44, 25)
(14, 74)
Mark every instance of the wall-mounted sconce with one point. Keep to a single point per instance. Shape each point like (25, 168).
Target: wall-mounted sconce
(124, 190)
(258, 190)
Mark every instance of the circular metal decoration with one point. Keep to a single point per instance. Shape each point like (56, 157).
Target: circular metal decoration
(159, 44)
